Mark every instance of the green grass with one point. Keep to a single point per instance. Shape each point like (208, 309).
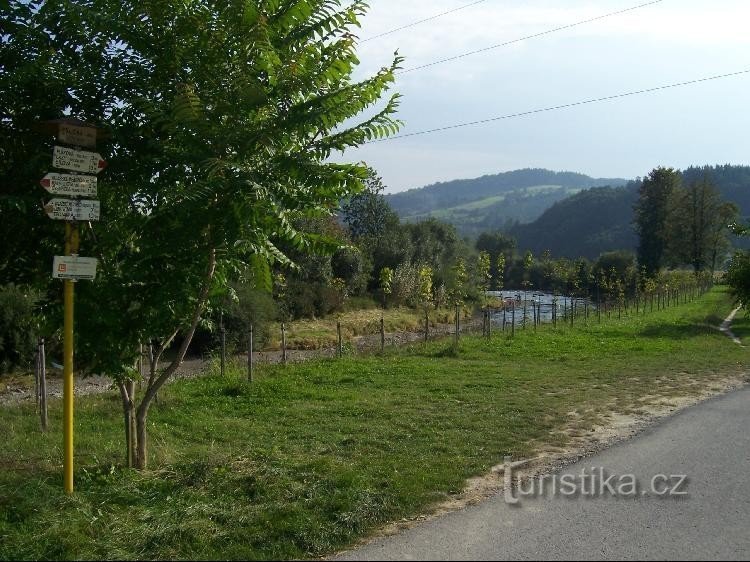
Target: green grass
(471, 206)
(741, 326)
(479, 204)
(313, 456)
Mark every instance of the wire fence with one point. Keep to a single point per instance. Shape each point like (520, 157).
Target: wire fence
(525, 311)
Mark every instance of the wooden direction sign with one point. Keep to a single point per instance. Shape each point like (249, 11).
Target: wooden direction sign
(79, 136)
(76, 132)
(77, 160)
(73, 267)
(73, 209)
(70, 184)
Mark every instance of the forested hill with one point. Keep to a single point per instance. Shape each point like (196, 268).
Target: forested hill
(732, 181)
(599, 220)
(583, 225)
(444, 195)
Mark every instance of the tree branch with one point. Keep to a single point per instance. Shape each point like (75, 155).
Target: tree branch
(152, 390)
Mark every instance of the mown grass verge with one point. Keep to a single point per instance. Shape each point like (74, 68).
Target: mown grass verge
(313, 456)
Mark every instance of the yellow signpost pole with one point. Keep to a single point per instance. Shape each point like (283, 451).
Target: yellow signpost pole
(77, 184)
(71, 248)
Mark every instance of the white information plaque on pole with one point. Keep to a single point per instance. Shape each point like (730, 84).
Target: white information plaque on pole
(74, 267)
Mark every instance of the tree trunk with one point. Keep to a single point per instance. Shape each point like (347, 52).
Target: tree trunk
(127, 389)
(140, 417)
(141, 458)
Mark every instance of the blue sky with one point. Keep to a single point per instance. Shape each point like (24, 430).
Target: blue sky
(671, 41)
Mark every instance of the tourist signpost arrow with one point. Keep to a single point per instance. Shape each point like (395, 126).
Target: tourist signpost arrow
(73, 209)
(74, 268)
(72, 185)
(77, 160)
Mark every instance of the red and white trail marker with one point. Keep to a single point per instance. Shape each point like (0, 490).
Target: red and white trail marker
(73, 209)
(77, 160)
(71, 185)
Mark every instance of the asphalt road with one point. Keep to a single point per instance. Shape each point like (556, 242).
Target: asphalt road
(709, 443)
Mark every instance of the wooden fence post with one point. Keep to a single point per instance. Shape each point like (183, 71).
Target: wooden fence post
(554, 312)
(37, 383)
(43, 385)
(43, 389)
(341, 345)
(426, 324)
(283, 343)
(458, 324)
(223, 332)
(250, 356)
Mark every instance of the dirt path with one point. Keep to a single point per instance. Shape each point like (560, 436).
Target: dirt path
(726, 326)
(21, 388)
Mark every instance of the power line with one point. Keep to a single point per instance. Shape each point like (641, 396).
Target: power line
(408, 25)
(563, 106)
(535, 35)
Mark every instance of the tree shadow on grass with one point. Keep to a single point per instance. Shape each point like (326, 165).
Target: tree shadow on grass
(683, 331)
(452, 350)
(741, 326)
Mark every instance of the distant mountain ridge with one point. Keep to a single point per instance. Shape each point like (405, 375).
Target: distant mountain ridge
(600, 220)
(493, 202)
(448, 194)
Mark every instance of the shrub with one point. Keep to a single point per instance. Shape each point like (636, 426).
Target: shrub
(253, 307)
(738, 277)
(18, 327)
(406, 285)
(300, 299)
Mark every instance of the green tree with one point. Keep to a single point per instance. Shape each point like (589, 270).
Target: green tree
(496, 244)
(18, 327)
(484, 277)
(500, 268)
(619, 261)
(367, 214)
(457, 287)
(651, 216)
(425, 293)
(425, 285)
(738, 276)
(386, 283)
(719, 244)
(435, 243)
(221, 117)
(738, 272)
(699, 225)
(528, 262)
